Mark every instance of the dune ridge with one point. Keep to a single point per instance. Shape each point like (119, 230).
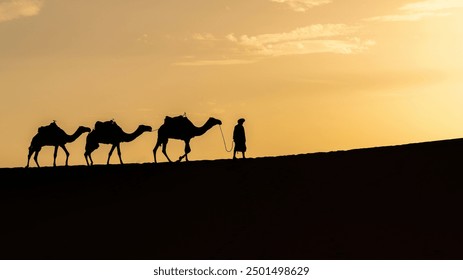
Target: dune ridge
(392, 202)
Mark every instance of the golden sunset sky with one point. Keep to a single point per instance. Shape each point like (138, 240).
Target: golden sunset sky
(307, 75)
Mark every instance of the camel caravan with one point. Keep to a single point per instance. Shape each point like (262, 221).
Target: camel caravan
(109, 132)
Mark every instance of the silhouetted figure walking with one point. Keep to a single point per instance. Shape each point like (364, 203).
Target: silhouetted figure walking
(239, 137)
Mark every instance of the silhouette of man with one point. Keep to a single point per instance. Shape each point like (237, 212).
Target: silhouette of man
(239, 137)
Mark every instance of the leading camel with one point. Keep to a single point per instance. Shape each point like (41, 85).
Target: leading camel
(52, 135)
(180, 128)
(109, 132)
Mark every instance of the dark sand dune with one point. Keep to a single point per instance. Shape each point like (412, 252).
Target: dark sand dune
(398, 202)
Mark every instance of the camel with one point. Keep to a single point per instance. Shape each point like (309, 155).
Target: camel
(109, 132)
(180, 128)
(52, 135)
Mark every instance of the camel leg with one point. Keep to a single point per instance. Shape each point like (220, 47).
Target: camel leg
(155, 150)
(158, 143)
(187, 150)
(29, 157)
(119, 152)
(89, 156)
(55, 153)
(89, 148)
(164, 150)
(36, 157)
(67, 153)
(110, 153)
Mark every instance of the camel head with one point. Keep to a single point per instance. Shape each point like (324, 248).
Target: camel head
(214, 121)
(84, 129)
(145, 128)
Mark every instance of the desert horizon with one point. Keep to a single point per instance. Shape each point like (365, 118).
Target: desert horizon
(109, 144)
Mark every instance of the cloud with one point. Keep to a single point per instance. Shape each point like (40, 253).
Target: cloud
(302, 5)
(14, 9)
(214, 62)
(406, 17)
(145, 39)
(432, 5)
(203, 37)
(420, 10)
(318, 38)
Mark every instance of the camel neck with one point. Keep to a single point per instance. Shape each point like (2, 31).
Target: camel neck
(203, 129)
(128, 137)
(74, 136)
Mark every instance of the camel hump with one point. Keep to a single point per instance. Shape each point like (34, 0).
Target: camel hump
(106, 125)
(177, 120)
(52, 127)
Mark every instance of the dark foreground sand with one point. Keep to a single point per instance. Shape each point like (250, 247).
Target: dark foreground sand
(398, 202)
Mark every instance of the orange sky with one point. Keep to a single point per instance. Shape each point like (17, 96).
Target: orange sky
(308, 75)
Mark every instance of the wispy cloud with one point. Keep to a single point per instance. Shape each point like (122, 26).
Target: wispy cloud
(214, 62)
(203, 37)
(318, 38)
(13, 9)
(406, 17)
(432, 5)
(420, 10)
(302, 5)
(145, 39)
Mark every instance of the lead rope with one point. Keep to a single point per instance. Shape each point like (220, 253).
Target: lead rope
(224, 143)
